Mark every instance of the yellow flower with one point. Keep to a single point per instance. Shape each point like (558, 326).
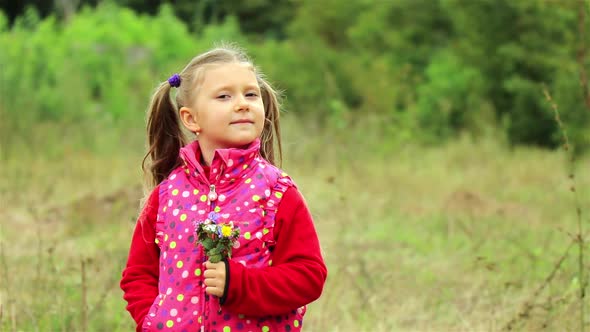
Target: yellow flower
(226, 230)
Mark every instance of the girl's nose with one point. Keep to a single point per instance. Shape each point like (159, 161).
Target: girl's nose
(241, 104)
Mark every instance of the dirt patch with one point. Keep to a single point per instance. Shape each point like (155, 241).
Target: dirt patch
(465, 203)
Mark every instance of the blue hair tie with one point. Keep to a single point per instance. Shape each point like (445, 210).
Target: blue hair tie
(174, 80)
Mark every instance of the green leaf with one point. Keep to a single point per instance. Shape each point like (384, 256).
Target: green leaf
(215, 258)
(208, 243)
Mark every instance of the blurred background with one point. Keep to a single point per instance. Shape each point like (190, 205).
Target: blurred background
(442, 146)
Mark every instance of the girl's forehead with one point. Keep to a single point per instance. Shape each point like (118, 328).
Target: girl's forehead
(219, 75)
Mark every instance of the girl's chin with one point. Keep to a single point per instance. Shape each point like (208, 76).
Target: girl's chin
(237, 144)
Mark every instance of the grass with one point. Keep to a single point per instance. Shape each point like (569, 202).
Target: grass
(452, 238)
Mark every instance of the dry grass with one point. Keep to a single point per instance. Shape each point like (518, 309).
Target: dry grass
(454, 238)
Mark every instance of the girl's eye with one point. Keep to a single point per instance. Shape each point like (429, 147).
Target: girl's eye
(251, 94)
(223, 96)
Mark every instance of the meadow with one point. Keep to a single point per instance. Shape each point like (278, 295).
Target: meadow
(416, 130)
(460, 237)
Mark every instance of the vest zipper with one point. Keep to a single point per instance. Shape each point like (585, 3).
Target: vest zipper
(212, 196)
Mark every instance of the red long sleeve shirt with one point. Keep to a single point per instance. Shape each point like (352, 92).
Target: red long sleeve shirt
(295, 278)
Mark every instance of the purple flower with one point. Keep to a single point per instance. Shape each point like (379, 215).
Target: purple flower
(214, 216)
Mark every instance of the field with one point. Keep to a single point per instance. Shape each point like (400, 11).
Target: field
(460, 237)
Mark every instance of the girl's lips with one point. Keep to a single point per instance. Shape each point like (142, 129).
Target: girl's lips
(241, 121)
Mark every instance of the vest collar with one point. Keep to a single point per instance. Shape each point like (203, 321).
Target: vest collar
(227, 164)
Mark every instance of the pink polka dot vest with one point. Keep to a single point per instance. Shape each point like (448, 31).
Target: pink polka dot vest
(241, 187)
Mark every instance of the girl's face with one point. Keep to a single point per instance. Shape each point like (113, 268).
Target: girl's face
(227, 111)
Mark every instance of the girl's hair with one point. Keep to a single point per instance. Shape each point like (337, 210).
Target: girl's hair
(164, 134)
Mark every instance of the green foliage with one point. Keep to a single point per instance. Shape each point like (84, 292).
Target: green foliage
(101, 65)
(267, 18)
(518, 46)
(428, 69)
(448, 66)
(228, 31)
(573, 112)
(451, 97)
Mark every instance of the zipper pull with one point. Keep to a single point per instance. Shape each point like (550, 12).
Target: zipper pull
(212, 194)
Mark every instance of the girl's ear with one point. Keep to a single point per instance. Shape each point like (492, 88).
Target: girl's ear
(189, 119)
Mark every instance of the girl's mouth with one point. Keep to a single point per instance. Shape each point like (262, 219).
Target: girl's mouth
(242, 121)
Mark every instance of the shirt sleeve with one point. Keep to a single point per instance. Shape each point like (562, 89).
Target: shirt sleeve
(139, 280)
(298, 272)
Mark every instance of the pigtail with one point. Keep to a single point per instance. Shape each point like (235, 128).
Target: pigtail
(271, 131)
(164, 137)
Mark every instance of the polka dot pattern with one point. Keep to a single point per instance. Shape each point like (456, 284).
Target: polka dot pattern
(248, 189)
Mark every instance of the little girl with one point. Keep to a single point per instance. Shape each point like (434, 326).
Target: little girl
(226, 174)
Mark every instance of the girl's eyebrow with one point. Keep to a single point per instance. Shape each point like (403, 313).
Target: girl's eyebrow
(230, 87)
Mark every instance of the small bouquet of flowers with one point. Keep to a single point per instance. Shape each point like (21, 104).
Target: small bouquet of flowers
(216, 238)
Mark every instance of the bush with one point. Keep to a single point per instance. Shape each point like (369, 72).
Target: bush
(428, 69)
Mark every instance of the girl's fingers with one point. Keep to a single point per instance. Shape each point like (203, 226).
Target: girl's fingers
(209, 274)
(214, 266)
(214, 278)
(214, 291)
(213, 282)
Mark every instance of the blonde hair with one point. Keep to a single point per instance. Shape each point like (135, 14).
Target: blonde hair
(164, 134)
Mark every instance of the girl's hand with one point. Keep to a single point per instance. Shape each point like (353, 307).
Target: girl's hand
(214, 278)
